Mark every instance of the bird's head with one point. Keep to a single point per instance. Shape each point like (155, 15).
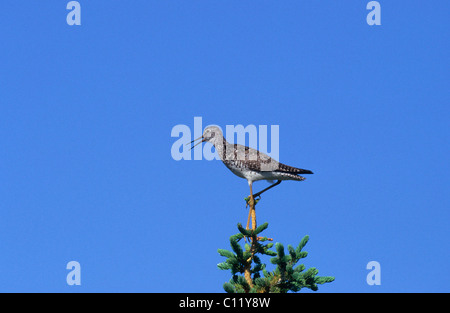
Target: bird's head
(210, 134)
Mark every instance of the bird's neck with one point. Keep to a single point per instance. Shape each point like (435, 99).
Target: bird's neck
(222, 147)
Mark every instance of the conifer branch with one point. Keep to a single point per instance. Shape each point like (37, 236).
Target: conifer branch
(246, 266)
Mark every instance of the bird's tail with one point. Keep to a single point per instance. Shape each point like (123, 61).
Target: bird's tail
(293, 170)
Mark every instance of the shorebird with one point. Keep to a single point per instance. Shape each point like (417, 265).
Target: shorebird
(249, 163)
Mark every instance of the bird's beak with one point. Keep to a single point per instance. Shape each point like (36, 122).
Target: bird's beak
(201, 137)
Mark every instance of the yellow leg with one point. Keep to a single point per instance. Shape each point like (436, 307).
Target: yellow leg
(249, 217)
(252, 211)
(253, 217)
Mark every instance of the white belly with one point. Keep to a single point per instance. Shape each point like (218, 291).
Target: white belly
(254, 176)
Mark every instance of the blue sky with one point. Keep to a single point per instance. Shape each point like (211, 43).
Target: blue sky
(86, 114)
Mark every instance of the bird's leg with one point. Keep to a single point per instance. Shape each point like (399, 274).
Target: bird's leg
(252, 208)
(253, 217)
(249, 217)
(264, 190)
(251, 212)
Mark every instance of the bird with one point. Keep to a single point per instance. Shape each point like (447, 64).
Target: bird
(249, 163)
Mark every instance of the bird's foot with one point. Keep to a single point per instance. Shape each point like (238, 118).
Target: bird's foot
(248, 199)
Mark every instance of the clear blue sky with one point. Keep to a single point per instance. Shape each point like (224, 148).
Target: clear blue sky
(86, 114)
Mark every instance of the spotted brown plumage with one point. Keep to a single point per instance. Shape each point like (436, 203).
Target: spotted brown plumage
(249, 163)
